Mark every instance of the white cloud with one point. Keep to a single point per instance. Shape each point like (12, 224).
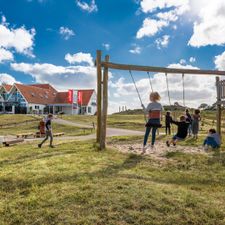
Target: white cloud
(79, 57)
(149, 6)
(150, 27)
(172, 9)
(220, 61)
(7, 79)
(135, 50)
(66, 33)
(162, 42)
(61, 77)
(182, 61)
(192, 60)
(106, 46)
(5, 55)
(210, 28)
(20, 39)
(91, 7)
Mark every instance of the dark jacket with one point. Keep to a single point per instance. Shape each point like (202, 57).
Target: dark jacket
(182, 128)
(188, 118)
(168, 120)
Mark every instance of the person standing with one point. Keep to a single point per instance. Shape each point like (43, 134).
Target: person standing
(168, 123)
(195, 123)
(48, 131)
(189, 120)
(154, 110)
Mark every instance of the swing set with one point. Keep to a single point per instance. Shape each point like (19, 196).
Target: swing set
(102, 89)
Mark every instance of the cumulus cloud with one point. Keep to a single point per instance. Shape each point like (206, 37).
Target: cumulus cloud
(135, 50)
(198, 88)
(91, 7)
(59, 76)
(106, 46)
(172, 9)
(19, 39)
(192, 60)
(79, 57)
(66, 33)
(5, 55)
(162, 42)
(210, 28)
(7, 79)
(150, 27)
(220, 61)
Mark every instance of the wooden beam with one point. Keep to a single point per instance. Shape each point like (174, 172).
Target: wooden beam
(104, 105)
(161, 69)
(219, 111)
(99, 95)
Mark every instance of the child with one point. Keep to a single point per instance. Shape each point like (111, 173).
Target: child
(212, 140)
(182, 131)
(154, 110)
(189, 120)
(168, 123)
(195, 123)
(48, 131)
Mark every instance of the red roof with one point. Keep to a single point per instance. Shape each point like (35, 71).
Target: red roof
(86, 96)
(45, 94)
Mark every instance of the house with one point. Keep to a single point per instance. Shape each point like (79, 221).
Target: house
(44, 98)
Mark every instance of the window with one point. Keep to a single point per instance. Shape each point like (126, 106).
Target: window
(36, 106)
(89, 109)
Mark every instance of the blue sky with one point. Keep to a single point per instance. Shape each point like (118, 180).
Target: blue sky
(168, 33)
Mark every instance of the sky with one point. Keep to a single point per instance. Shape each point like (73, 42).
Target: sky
(55, 41)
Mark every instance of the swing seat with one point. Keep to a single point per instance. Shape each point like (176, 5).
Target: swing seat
(155, 125)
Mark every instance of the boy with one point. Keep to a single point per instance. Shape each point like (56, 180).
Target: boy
(48, 131)
(168, 123)
(212, 140)
(182, 131)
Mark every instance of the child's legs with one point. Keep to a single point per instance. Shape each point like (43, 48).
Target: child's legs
(154, 129)
(147, 132)
(211, 142)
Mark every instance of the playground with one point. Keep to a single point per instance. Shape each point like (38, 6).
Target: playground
(97, 172)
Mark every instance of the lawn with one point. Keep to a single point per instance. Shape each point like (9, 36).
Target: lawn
(76, 184)
(32, 127)
(11, 118)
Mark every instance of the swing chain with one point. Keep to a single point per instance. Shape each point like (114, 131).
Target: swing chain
(150, 81)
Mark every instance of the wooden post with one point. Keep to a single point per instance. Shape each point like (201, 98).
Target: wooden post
(99, 95)
(219, 114)
(104, 105)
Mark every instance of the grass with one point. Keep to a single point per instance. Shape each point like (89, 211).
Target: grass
(75, 184)
(8, 118)
(33, 128)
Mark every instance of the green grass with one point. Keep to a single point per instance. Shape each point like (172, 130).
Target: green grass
(75, 184)
(33, 128)
(8, 118)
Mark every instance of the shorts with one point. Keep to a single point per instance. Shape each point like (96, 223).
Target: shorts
(177, 138)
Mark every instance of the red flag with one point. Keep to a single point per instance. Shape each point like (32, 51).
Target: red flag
(70, 96)
(79, 97)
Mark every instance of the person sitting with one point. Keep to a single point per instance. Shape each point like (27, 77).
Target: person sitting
(182, 131)
(212, 140)
(168, 123)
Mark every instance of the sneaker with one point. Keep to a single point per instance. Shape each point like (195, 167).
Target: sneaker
(205, 148)
(174, 144)
(39, 145)
(144, 149)
(167, 143)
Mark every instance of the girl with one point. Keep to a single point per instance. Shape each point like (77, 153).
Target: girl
(195, 123)
(168, 123)
(154, 110)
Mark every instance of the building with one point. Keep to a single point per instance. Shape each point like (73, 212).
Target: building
(43, 98)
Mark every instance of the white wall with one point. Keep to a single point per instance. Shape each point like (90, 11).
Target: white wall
(41, 107)
(93, 108)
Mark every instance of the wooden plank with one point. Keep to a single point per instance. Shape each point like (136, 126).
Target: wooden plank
(11, 142)
(99, 95)
(218, 114)
(111, 65)
(104, 105)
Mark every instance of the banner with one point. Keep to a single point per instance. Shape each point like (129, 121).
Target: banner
(79, 97)
(70, 96)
